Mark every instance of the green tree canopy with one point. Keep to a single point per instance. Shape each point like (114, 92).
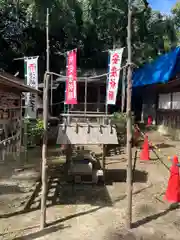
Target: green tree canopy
(176, 19)
(94, 26)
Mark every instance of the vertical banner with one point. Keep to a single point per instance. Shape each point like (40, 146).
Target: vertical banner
(32, 81)
(71, 81)
(114, 71)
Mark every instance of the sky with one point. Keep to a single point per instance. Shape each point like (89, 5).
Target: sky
(163, 6)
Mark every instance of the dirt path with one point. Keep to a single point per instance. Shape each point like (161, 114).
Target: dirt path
(93, 212)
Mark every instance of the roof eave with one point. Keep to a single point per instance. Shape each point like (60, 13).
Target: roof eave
(18, 85)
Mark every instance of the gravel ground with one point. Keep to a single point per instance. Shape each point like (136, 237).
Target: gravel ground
(91, 212)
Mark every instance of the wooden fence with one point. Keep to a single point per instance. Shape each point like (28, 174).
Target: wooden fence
(169, 118)
(10, 147)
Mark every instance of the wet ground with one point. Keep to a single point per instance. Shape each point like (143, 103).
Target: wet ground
(89, 212)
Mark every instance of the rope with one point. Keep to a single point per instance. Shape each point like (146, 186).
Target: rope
(154, 146)
(93, 77)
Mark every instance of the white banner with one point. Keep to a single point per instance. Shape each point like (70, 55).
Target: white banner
(113, 79)
(32, 81)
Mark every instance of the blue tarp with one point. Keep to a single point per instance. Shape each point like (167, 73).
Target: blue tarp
(161, 70)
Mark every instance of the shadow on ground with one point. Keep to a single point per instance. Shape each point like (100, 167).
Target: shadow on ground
(119, 175)
(164, 145)
(42, 233)
(126, 235)
(155, 216)
(59, 192)
(9, 189)
(111, 235)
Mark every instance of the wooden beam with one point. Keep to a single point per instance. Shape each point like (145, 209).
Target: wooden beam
(87, 115)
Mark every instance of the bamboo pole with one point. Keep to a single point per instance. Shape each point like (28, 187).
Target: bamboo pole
(107, 80)
(123, 90)
(98, 98)
(129, 121)
(25, 138)
(85, 97)
(44, 155)
(47, 41)
(45, 136)
(25, 115)
(104, 160)
(51, 95)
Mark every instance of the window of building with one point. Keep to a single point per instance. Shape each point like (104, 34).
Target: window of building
(164, 101)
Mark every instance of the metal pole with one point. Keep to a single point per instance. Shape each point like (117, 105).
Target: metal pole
(129, 121)
(45, 136)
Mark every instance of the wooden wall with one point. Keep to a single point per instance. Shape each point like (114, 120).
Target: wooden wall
(10, 122)
(168, 112)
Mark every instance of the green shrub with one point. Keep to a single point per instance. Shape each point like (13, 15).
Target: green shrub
(34, 131)
(120, 119)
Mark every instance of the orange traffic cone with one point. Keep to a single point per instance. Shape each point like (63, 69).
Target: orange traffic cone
(172, 194)
(144, 155)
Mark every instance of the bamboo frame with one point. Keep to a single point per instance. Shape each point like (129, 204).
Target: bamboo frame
(129, 122)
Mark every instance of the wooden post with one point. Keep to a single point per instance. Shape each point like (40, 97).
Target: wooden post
(25, 138)
(68, 118)
(25, 116)
(98, 97)
(107, 80)
(51, 95)
(129, 121)
(45, 135)
(68, 152)
(104, 159)
(44, 154)
(98, 102)
(85, 96)
(20, 125)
